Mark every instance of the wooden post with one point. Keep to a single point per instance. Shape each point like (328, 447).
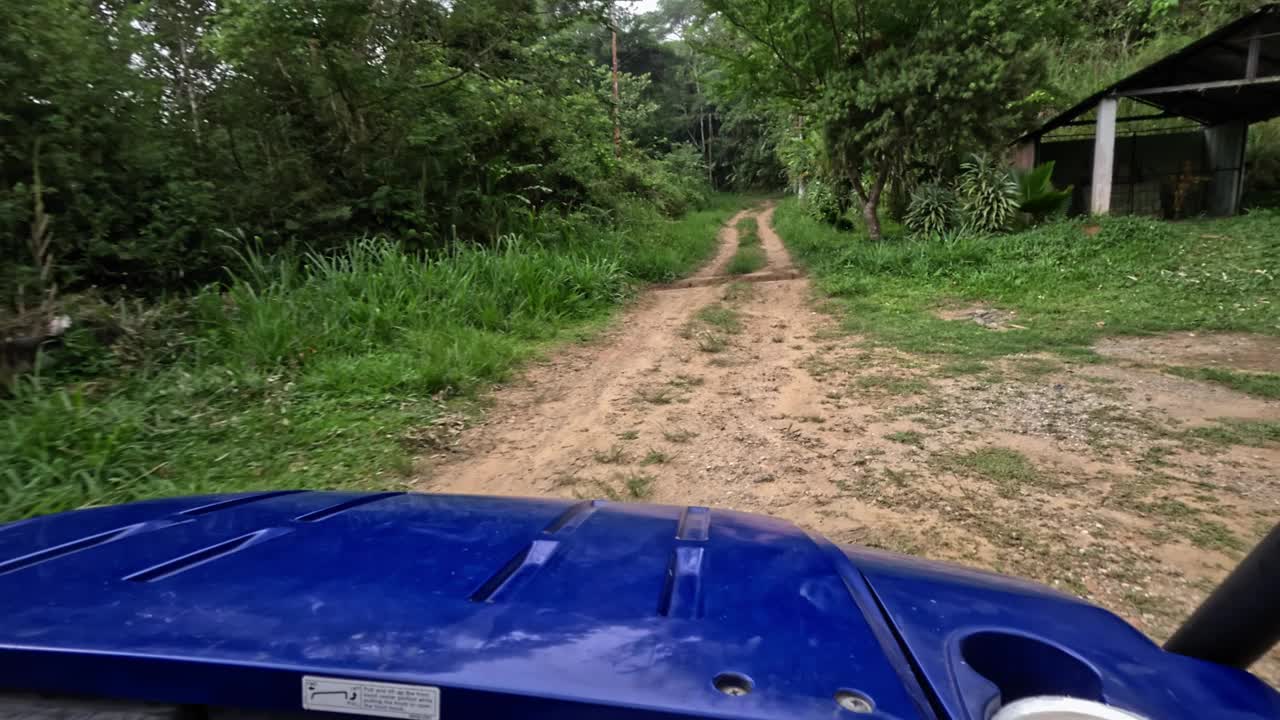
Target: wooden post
(1024, 156)
(1104, 152)
(1251, 63)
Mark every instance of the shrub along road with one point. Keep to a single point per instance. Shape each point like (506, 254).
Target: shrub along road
(1105, 478)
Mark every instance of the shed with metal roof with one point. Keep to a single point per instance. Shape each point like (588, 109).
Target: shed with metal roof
(1221, 83)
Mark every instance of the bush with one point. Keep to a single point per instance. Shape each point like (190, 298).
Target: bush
(988, 195)
(1036, 195)
(824, 202)
(932, 211)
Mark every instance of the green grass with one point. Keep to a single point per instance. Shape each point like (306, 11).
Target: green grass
(639, 486)
(1009, 469)
(893, 384)
(738, 290)
(748, 232)
(655, 457)
(1068, 288)
(907, 437)
(1255, 433)
(722, 318)
(747, 260)
(322, 371)
(962, 367)
(1264, 385)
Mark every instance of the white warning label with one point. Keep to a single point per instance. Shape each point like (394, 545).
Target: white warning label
(362, 697)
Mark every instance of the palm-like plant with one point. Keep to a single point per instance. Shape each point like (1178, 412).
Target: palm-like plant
(1036, 195)
(988, 195)
(932, 211)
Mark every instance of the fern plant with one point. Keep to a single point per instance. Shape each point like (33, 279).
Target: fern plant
(932, 211)
(988, 195)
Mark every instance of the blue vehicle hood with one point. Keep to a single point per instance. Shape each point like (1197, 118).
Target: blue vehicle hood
(549, 608)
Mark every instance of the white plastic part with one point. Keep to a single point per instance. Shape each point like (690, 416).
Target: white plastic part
(1061, 708)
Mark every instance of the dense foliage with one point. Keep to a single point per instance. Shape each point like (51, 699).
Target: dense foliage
(322, 371)
(888, 84)
(291, 231)
(144, 142)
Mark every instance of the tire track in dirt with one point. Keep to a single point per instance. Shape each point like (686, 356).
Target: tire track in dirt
(643, 413)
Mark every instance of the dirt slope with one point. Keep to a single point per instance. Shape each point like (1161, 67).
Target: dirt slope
(1085, 477)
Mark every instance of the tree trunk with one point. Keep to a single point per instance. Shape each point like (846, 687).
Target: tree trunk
(872, 218)
(870, 198)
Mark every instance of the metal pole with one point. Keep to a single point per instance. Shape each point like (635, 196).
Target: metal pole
(1240, 621)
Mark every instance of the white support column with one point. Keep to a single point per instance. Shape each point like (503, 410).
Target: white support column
(1104, 152)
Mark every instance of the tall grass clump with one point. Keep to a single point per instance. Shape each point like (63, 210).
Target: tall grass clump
(318, 370)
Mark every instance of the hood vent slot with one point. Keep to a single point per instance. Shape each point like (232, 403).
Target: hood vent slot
(204, 555)
(236, 502)
(328, 512)
(84, 543)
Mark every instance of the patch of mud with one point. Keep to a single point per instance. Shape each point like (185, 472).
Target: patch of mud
(989, 317)
(1236, 351)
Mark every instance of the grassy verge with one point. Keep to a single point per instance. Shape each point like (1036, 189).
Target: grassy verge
(326, 372)
(750, 256)
(1067, 286)
(1266, 385)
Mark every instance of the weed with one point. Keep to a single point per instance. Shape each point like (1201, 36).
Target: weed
(565, 479)
(615, 455)
(907, 437)
(748, 231)
(1009, 469)
(747, 260)
(722, 318)
(893, 384)
(712, 343)
(737, 291)
(1265, 385)
(679, 435)
(687, 381)
(607, 490)
(1034, 368)
(628, 434)
(962, 367)
(639, 486)
(655, 395)
(1256, 433)
(655, 457)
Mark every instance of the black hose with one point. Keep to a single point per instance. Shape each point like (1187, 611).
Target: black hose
(1240, 620)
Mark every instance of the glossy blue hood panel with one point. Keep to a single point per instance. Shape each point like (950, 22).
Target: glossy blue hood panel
(548, 608)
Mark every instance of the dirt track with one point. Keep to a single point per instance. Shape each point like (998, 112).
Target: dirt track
(1083, 477)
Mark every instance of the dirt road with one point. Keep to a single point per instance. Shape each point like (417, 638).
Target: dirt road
(744, 395)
